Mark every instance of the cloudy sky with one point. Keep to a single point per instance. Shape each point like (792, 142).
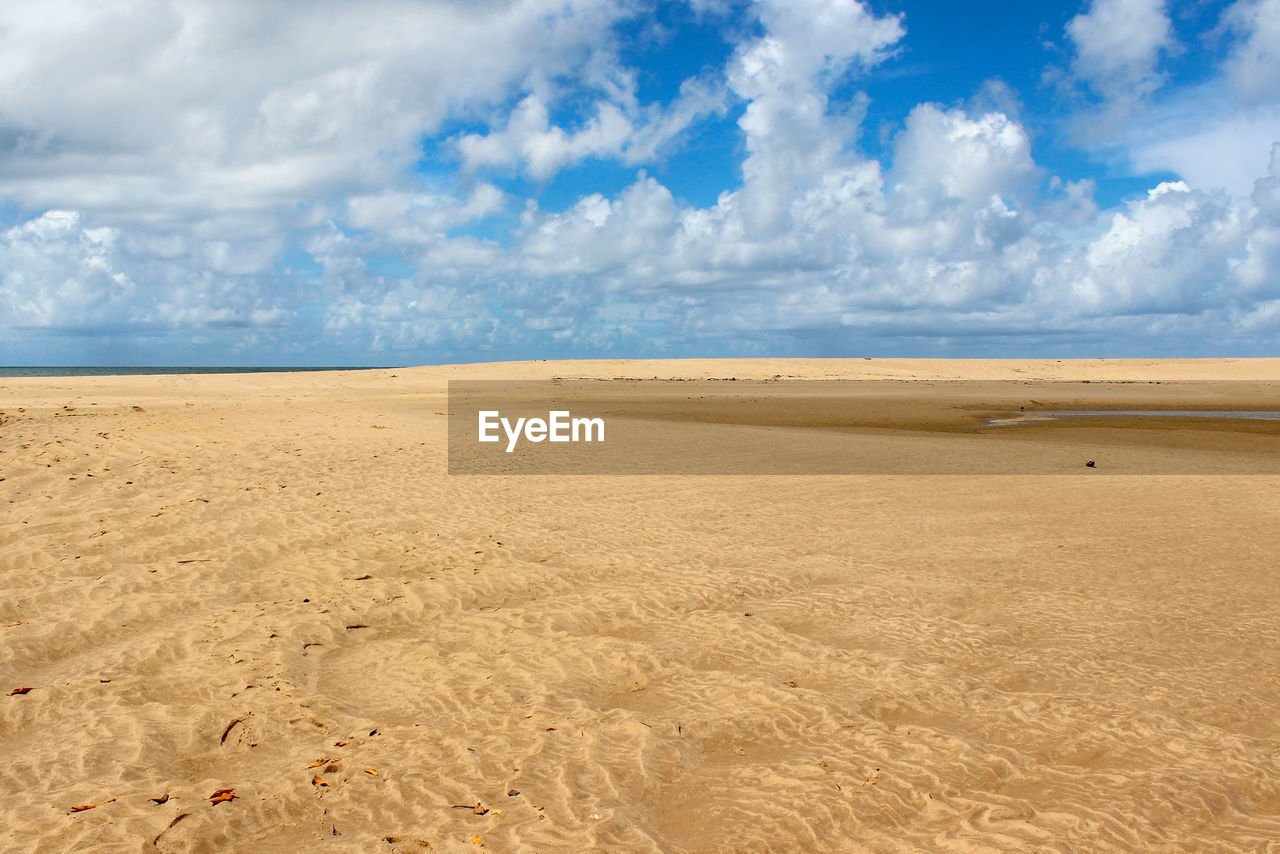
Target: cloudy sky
(419, 181)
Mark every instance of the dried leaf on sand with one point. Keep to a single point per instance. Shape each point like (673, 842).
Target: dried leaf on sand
(83, 807)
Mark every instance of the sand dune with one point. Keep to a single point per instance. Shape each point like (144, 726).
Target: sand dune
(268, 583)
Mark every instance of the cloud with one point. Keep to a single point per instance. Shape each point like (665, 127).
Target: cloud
(950, 237)
(60, 274)
(1216, 133)
(1118, 44)
(1208, 146)
(403, 218)
(949, 155)
(1254, 65)
(828, 35)
(175, 108)
(1257, 272)
(528, 137)
(1172, 252)
(626, 132)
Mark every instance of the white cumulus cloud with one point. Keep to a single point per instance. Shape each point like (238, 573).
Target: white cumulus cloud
(1118, 46)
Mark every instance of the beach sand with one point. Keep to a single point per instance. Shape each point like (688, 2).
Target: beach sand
(268, 583)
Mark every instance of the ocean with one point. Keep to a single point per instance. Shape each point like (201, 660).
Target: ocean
(94, 371)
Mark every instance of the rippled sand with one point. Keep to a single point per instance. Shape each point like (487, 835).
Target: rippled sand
(217, 582)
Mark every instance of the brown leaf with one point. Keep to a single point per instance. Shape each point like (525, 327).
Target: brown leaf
(83, 807)
(316, 781)
(17, 691)
(371, 772)
(222, 796)
(480, 809)
(318, 763)
(163, 799)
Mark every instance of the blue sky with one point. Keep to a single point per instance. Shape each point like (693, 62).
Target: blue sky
(401, 182)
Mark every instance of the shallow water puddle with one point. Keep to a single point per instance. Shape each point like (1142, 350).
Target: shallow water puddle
(1072, 414)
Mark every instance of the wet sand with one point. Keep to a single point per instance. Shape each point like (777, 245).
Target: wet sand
(269, 583)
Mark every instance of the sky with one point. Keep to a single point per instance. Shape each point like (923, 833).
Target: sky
(397, 182)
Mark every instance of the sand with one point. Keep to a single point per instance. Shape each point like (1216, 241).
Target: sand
(268, 583)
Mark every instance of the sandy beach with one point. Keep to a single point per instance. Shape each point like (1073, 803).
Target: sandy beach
(268, 586)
